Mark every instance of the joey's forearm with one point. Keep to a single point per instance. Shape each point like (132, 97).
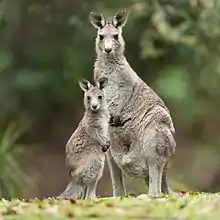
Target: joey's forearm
(103, 141)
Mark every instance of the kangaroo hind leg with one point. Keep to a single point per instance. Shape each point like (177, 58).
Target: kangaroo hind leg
(155, 177)
(165, 187)
(91, 190)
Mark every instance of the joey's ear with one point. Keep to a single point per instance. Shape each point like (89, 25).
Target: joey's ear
(84, 85)
(97, 20)
(120, 18)
(102, 82)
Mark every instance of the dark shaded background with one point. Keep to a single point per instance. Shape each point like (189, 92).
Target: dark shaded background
(46, 46)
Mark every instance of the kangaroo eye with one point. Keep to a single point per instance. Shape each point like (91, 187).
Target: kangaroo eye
(115, 36)
(88, 98)
(101, 37)
(100, 97)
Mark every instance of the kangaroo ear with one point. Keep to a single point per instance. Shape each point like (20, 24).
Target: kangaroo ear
(102, 82)
(120, 18)
(97, 20)
(84, 85)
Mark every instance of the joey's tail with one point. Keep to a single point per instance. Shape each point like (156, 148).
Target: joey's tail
(72, 191)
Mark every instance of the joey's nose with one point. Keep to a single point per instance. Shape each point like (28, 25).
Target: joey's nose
(108, 50)
(94, 107)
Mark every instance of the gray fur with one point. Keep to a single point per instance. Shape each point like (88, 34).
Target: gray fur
(85, 149)
(143, 140)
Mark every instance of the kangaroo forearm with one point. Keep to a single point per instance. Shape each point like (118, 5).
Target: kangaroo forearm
(125, 97)
(117, 118)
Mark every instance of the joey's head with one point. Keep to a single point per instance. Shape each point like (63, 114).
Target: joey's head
(109, 40)
(94, 96)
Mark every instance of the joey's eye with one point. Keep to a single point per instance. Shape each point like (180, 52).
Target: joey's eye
(101, 37)
(115, 36)
(100, 97)
(88, 98)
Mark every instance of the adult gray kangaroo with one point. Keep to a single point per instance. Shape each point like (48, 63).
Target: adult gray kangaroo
(141, 131)
(85, 150)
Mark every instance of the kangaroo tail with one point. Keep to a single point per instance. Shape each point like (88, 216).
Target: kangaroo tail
(72, 191)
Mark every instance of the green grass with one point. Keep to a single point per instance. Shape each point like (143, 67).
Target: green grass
(196, 206)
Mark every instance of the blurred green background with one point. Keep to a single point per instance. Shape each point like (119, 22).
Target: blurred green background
(46, 46)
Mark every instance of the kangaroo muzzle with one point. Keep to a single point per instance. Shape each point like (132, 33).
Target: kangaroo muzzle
(108, 50)
(94, 104)
(108, 46)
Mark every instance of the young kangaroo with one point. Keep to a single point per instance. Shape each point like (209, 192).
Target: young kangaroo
(85, 149)
(141, 131)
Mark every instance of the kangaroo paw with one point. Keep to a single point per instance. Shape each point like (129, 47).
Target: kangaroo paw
(106, 147)
(115, 121)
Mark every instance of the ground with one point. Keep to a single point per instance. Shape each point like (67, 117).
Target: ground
(194, 206)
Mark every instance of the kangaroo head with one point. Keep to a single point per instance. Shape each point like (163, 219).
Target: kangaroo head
(109, 40)
(94, 97)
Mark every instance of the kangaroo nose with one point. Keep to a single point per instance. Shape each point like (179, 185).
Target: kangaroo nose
(94, 107)
(108, 50)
